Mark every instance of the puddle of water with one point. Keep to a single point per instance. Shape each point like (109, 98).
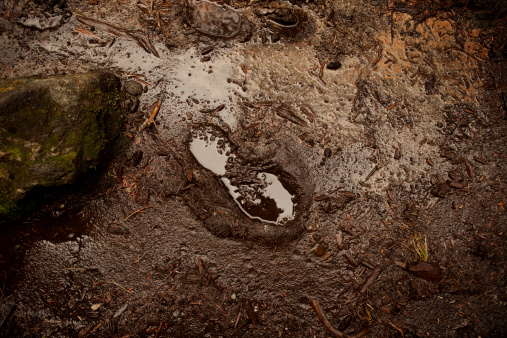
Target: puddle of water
(211, 152)
(178, 75)
(266, 199)
(276, 191)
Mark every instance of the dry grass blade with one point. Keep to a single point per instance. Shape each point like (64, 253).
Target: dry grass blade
(421, 248)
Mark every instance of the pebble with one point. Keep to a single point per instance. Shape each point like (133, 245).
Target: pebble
(321, 249)
(385, 310)
(117, 229)
(134, 88)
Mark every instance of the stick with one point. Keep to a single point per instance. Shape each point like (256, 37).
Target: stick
(397, 328)
(320, 313)
(321, 72)
(135, 212)
(9, 314)
(118, 285)
(371, 278)
(139, 37)
(160, 326)
(174, 151)
(152, 116)
(139, 258)
(237, 319)
(86, 32)
(371, 173)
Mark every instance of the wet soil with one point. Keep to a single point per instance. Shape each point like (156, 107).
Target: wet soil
(385, 120)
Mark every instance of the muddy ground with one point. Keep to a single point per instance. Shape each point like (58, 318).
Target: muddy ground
(386, 120)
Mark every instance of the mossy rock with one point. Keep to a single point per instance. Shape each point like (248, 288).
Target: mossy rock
(52, 129)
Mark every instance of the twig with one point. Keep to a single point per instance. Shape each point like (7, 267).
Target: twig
(139, 37)
(139, 258)
(86, 32)
(373, 171)
(237, 319)
(118, 285)
(174, 151)
(321, 72)
(9, 314)
(142, 81)
(397, 328)
(320, 313)
(158, 330)
(137, 211)
(154, 113)
(75, 269)
(120, 311)
(371, 278)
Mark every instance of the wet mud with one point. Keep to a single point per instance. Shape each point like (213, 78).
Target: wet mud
(260, 177)
(286, 165)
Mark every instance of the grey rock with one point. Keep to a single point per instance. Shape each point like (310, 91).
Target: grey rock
(52, 129)
(134, 88)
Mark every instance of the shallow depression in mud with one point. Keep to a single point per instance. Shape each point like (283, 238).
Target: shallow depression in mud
(261, 196)
(266, 199)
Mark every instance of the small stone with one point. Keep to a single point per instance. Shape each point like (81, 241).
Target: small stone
(401, 264)
(321, 249)
(143, 197)
(72, 303)
(215, 20)
(316, 237)
(96, 306)
(397, 153)
(117, 229)
(4, 157)
(134, 88)
(385, 310)
(456, 185)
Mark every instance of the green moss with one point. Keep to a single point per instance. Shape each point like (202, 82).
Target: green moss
(16, 152)
(65, 161)
(10, 86)
(7, 207)
(56, 117)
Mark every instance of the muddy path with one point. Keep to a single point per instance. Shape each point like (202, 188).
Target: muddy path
(296, 151)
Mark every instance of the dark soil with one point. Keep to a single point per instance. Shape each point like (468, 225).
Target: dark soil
(388, 117)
